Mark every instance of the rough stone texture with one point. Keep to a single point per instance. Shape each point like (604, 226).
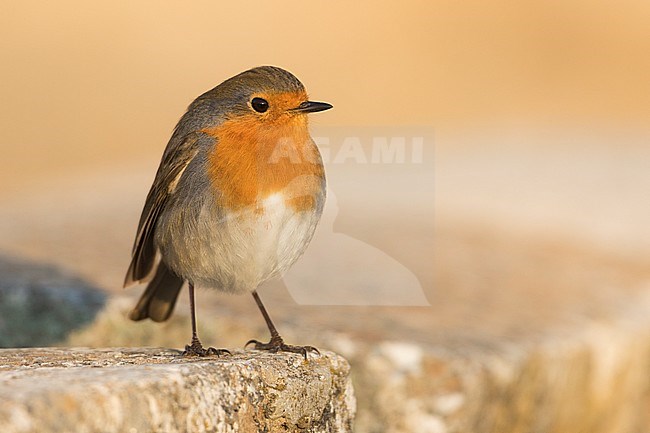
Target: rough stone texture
(156, 390)
(596, 380)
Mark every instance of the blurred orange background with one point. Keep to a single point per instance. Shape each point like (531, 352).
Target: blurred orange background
(86, 84)
(540, 168)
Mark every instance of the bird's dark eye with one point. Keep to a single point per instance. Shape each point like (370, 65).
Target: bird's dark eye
(260, 105)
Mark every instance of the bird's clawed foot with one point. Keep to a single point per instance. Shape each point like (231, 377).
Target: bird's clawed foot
(277, 345)
(197, 349)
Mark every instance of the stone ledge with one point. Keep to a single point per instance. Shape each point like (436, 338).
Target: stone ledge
(156, 390)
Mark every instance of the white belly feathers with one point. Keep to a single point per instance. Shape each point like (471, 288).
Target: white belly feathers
(249, 246)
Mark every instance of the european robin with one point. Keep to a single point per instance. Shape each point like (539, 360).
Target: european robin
(236, 199)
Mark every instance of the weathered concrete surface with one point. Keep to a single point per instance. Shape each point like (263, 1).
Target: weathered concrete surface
(156, 390)
(595, 379)
(592, 376)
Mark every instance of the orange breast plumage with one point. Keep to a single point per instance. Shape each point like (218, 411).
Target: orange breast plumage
(252, 161)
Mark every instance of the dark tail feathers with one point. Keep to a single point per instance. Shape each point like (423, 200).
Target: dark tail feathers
(158, 300)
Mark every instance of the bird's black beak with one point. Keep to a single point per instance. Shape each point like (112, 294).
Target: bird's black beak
(312, 107)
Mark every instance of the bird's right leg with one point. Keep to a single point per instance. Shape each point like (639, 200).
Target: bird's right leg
(195, 348)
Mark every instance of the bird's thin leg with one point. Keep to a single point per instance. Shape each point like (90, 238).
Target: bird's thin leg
(195, 348)
(276, 344)
(275, 336)
(195, 334)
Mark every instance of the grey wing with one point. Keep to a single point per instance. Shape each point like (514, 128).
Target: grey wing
(174, 161)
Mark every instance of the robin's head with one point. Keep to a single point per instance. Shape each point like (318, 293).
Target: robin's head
(266, 94)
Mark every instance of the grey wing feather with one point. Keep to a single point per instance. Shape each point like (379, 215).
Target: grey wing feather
(174, 161)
